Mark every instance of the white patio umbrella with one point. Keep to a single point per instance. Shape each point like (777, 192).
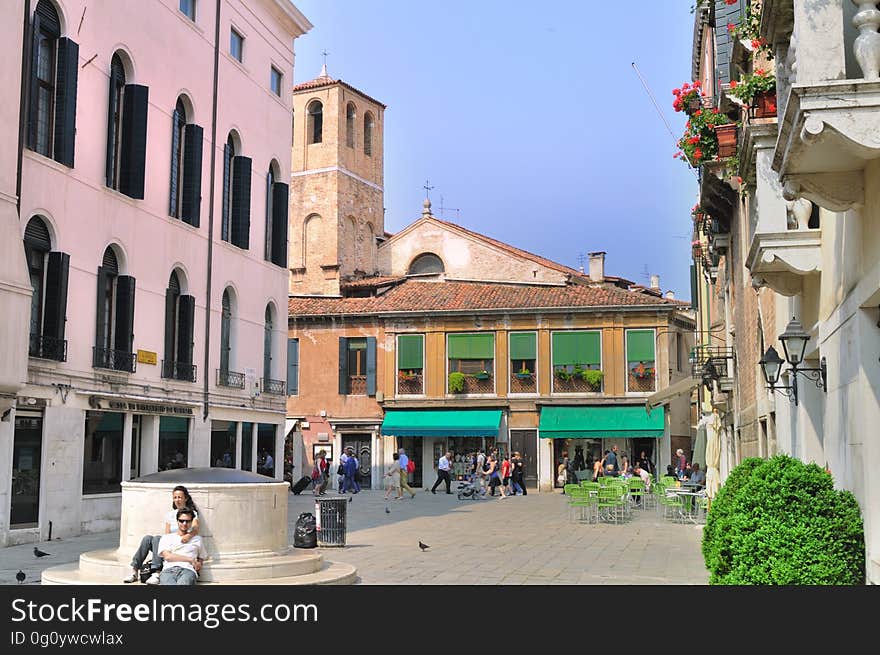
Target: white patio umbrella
(713, 455)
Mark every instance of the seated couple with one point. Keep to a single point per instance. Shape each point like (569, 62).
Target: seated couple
(177, 555)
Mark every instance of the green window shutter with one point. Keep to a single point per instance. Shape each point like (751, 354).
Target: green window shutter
(577, 348)
(410, 349)
(471, 346)
(371, 366)
(523, 345)
(640, 346)
(343, 366)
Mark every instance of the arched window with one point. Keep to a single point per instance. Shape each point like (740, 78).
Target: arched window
(114, 120)
(268, 326)
(316, 122)
(368, 134)
(426, 263)
(236, 214)
(277, 200)
(114, 326)
(311, 241)
(178, 125)
(48, 273)
(226, 377)
(179, 324)
(350, 113)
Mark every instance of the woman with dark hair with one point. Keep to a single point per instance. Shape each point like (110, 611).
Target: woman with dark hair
(180, 499)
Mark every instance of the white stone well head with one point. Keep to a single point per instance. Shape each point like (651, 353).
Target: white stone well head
(241, 513)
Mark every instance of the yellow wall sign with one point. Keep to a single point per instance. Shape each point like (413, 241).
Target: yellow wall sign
(146, 357)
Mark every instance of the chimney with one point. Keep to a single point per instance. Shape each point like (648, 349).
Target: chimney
(655, 282)
(670, 295)
(597, 266)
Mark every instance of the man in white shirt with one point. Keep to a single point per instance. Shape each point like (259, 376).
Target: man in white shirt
(443, 466)
(183, 560)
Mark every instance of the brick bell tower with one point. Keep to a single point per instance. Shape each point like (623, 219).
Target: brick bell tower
(336, 186)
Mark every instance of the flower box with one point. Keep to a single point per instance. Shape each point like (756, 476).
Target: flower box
(523, 375)
(765, 105)
(726, 135)
(481, 376)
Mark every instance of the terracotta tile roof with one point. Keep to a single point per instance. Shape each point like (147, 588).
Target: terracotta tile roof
(323, 81)
(434, 297)
(367, 282)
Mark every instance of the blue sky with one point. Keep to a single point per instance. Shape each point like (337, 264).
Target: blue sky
(528, 118)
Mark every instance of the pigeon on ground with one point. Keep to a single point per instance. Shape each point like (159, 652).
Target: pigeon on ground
(424, 547)
(387, 511)
(40, 553)
(20, 576)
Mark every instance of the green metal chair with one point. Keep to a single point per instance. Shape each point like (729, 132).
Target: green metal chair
(584, 505)
(636, 491)
(568, 488)
(611, 504)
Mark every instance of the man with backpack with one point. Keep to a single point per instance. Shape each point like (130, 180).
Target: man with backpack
(406, 467)
(349, 467)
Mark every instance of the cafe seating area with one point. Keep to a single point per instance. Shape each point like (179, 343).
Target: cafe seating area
(614, 499)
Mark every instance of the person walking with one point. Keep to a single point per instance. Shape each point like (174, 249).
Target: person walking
(393, 478)
(519, 474)
(320, 473)
(506, 470)
(493, 476)
(443, 466)
(404, 469)
(612, 466)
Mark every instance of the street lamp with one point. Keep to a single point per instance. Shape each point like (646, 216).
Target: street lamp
(794, 344)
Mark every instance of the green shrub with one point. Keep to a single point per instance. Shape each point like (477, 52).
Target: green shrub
(456, 382)
(592, 377)
(781, 522)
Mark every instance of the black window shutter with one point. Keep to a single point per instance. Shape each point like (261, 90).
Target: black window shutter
(100, 326)
(292, 367)
(133, 155)
(267, 251)
(371, 366)
(32, 97)
(343, 365)
(241, 201)
(170, 325)
(56, 294)
(185, 321)
(191, 200)
(125, 286)
(280, 195)
(695, 290)
(224, 213)
(65, 101)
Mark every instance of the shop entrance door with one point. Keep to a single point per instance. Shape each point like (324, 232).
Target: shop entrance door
(413, 446)
(361, 444)
(27, 447)
(526, 443)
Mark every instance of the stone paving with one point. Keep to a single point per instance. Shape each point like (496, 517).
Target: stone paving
(520, 540)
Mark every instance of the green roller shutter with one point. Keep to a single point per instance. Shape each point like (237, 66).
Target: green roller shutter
(576, 348)
(471, 346)
(523, 345)
(640, 346)
(409, 351)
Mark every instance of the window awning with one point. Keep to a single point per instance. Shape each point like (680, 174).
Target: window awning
(442, 423)
(603, 421)
(665, 395)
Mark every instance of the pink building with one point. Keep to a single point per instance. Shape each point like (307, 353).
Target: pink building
(145, 189)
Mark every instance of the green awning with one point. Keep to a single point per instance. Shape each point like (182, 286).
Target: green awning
(603, 421)
(442, 423)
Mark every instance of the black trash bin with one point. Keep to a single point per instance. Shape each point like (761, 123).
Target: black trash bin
(330, 519)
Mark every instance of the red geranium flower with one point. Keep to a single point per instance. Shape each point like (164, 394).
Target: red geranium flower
(733, 84)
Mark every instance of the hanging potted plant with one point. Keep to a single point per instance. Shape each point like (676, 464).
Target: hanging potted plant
(700, 141)
(757, 91)
(524, 374)
(689, 98)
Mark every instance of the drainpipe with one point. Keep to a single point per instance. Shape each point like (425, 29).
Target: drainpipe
(206, 377)
(22, 103)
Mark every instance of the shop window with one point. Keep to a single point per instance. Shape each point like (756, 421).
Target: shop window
(102, 456)
(173, 443)
(223, 444)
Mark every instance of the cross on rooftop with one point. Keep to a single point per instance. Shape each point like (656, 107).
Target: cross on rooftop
(427, 189)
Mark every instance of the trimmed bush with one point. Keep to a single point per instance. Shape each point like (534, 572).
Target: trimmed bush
(781, 522)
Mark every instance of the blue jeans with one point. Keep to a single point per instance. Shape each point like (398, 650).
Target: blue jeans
(149, 544)
(177, 575)
(515, 486)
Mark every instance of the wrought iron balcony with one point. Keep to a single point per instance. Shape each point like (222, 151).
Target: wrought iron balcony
(178, 371)
(115, 360)
(713, 361)
(45, 347)
(231, 379)
(274, 387)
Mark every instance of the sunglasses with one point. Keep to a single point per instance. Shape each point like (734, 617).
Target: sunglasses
(184, 520)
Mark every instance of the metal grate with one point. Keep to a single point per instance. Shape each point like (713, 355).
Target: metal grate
(116, 360)
(274, 387)
(178, 371)
(231, 379)
(720, 358)
(45, 347)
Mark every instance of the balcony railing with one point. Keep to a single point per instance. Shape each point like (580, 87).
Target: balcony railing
(178, 371)
(115, 360)
(45, 347)
(410, 384)
(523, 383)
(645, 383)
(357, 385)
(717, 356)
(274, 387)
(231, 379)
